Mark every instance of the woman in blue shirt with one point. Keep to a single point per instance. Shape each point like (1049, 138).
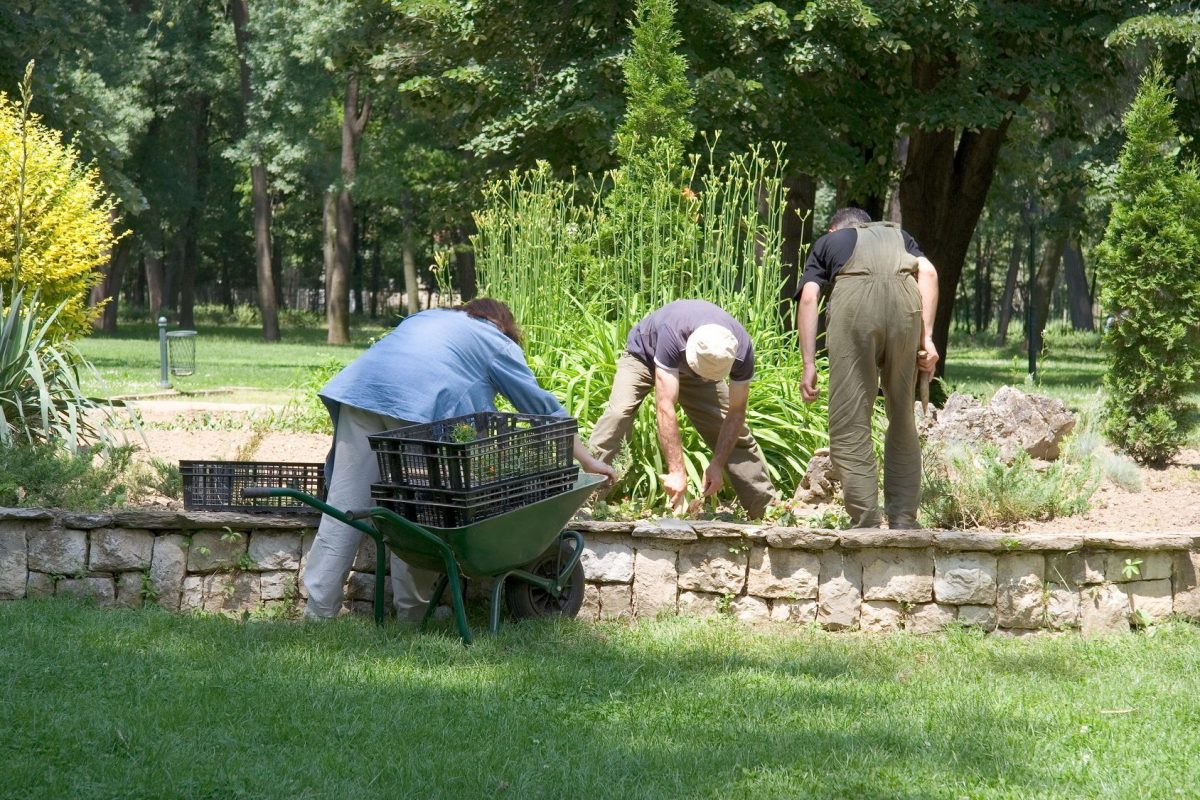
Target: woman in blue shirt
(436, 364)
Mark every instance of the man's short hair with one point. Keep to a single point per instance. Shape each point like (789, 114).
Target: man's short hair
(845, 217)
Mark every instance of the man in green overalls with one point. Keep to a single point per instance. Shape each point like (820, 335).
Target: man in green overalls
(879, 334)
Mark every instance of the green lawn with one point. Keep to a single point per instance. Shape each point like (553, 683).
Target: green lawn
(102, 704)
(227, 356)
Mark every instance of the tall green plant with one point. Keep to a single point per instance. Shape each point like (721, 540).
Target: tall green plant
(578, 283)
(1151, 285)
(41, 401)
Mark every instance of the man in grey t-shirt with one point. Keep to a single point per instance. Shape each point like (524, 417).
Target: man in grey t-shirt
(685, 351)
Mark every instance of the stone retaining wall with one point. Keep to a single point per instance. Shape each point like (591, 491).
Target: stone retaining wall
(868, 580)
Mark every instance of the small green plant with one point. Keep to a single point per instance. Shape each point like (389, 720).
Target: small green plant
(1132, 568)
(148, 592)
(1010, 543)
(832, 518)
(92, 479)
(230, 536)
(463, 432)
(968, 488)
(724, 603)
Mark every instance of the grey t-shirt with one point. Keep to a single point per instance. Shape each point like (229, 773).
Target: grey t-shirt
(660, 338)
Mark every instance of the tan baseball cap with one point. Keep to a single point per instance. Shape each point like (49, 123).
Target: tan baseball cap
(711, 351)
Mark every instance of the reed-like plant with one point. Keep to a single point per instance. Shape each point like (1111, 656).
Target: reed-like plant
(579, 272)
(41, 401)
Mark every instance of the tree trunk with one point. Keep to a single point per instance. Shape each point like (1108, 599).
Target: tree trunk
(893, 212)
(464, 262)
(189, 262)
(800, 195)
(1077, 288)
(354, 120)
(1010, 289)
(1047, 279)
(155, 281)
(259, 191)
(411, 289)
(109, 290)
(945, 184)
(328, 244)
(376, 270)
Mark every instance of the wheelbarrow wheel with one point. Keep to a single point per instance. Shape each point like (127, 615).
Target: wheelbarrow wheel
(527, 601)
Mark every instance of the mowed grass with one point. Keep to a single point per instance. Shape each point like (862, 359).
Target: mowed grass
(109, 704)
(227, 357)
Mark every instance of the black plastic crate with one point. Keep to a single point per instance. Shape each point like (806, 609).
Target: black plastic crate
(505, 447)
(218, 485)
(443, 508)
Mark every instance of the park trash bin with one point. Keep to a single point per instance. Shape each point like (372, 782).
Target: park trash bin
(181, 352)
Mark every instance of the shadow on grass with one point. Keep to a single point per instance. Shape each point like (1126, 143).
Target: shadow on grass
(103, 703)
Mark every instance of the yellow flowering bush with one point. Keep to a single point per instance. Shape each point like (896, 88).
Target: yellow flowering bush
(63, 217)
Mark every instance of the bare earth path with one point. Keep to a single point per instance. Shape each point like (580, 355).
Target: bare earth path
(1168, 501)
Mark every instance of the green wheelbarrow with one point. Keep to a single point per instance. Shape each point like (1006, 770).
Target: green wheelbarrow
(535, 562)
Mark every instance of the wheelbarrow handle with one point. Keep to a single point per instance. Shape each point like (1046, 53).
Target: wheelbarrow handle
(259, 491)
(358, 513)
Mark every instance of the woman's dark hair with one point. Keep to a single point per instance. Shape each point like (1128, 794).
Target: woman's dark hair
(496, 313)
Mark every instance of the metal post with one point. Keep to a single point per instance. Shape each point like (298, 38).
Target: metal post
(1033, 338)
(163, 383)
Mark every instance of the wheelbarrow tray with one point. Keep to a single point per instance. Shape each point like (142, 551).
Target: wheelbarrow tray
(495, 545)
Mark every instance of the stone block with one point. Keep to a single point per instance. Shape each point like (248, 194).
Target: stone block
(839, 594)
(119, 550)
(1062, 606)
(1020, 598)
(273, 550)
(750, 609)
(1151, 600)
(215, 550)
(930, 617)
(800, 538)
(39, 585)
(129, 590)
(700, 604)
(607, 561)
(191, 596)
(901, 576)
(668, 528)
(360, 586)
(1154, 566)
(803, 612)
(278, 585)
(713, 566)
(983, 617)
(615, 601)
(364, 557)
(590, 610)
(1186, 585)
(965, 578)
(58, 552)
(1075, 569)
(1104, 609)
(655, 582)
(864, 538)
(719, 529)
(100, 589)
(232, 592)
(792, 574)
(168, 564)
(881, 616)
(306, 541)
(14, 560)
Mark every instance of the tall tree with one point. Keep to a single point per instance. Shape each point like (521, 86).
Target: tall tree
(259, 190)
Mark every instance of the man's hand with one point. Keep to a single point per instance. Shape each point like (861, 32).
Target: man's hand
(808, 384)
(676, 485)
(714, 479)
(927, 358)
(598, 467)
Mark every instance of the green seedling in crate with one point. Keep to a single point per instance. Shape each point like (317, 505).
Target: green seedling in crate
(463, 432)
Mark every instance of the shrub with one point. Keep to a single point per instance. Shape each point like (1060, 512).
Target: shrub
(55, 226)
(41, 401)
(967, 488)
(1150, 282)
(91, 479)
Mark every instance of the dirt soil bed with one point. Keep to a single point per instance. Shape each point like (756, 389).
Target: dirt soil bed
(1169, 499)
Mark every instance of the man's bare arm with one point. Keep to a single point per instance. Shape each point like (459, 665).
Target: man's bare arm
(806, 327)
(927, 286)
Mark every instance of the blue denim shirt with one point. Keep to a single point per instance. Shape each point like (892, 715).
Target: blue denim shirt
(439, 364)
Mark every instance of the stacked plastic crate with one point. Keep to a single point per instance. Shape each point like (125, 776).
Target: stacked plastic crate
(454, 472)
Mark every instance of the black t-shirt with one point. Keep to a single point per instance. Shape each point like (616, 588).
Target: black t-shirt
(831, 252)
(660, 338)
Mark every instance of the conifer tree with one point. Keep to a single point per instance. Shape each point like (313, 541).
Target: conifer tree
(1149, 266)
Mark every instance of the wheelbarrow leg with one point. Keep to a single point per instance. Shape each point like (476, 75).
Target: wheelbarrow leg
(497, 598)
(439, 588)
(456, 598)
